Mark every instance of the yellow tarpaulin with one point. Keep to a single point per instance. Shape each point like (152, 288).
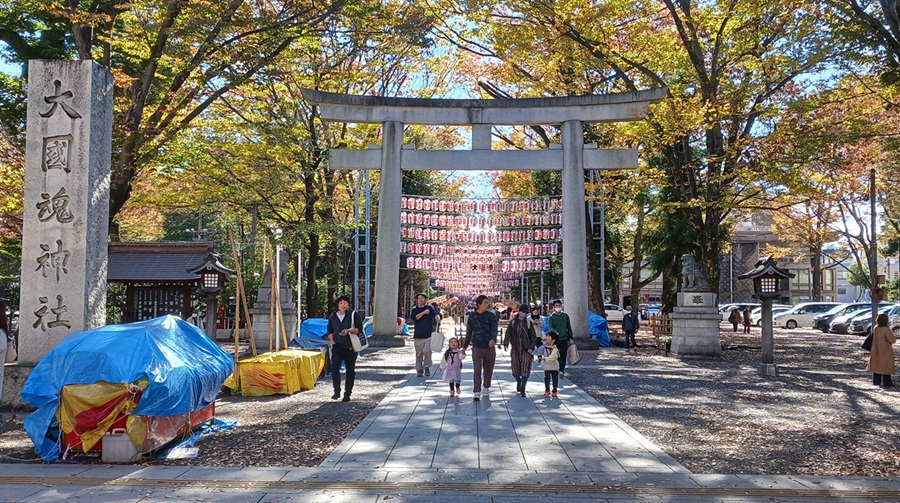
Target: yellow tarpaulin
(279, 372)
(90, 409)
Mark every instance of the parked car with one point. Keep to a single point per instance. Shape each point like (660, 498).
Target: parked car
(862, 324)
(756, 314)
(614, 312)
(840, 324)
(802, 315)
(823, 321)
(725, 309)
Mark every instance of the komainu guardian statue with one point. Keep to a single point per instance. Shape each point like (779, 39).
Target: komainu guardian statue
(693, 278)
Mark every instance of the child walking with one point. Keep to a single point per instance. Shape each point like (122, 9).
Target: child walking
(451, 366)
(550, 362)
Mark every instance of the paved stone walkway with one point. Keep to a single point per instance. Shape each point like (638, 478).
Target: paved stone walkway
(418, 425)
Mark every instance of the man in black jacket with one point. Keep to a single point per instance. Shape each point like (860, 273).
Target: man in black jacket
(481, 333)
(630, 325)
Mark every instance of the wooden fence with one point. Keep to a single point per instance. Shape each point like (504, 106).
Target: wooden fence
(661, 329)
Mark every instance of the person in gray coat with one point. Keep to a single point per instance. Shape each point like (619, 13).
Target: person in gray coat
(630, 325)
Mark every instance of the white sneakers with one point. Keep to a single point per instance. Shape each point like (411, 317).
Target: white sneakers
(486, 391)
(477, 396)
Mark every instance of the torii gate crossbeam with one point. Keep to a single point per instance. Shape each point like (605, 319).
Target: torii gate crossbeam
(573, 157)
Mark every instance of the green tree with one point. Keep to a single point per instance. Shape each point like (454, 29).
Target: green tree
(727, 66)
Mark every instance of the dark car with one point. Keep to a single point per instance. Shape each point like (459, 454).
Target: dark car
(841, 323)
(823, 321)
(862, 324)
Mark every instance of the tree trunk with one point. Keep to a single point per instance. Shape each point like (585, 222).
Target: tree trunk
(815, 270)
(312, 286)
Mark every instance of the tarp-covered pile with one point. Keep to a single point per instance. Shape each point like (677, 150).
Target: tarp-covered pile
(160, 367)
(597, 326)
(279, 372)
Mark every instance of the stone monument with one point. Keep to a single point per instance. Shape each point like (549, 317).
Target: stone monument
(695, 319)
(66, 221)
(261, 309)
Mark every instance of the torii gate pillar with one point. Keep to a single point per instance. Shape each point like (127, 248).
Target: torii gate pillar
(574, 250)
(387, 272)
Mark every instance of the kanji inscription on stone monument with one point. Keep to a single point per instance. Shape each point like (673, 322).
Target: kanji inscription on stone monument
(67, 167)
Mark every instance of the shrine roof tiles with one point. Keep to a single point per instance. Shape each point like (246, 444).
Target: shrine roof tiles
(164, 262)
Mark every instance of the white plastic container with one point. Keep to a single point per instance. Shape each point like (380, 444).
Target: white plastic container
(119, 448)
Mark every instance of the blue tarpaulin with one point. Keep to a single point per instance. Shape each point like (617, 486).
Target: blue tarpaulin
(318, 327)
(597, 327)
(184, 367)
(314, 327)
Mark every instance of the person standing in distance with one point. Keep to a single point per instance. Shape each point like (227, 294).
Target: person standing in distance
(560, 322)
(424, 318)
(343, 324)
(881, 359)
(481, 333)
(630, 324)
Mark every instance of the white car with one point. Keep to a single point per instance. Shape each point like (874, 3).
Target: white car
(756, 314)
(614, 312)
(802, 315)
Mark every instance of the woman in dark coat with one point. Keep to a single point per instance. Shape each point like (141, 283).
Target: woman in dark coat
(342, 324)
(881, 360)
(520, 335)
(735, 318)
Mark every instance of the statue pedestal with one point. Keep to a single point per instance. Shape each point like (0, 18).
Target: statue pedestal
(386, 341)
(695, 325)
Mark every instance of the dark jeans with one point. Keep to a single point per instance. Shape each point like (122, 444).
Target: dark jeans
(348, 357)
(521, 381)
(882, 380)
(629, 337)
(551, 375)
(563, 347)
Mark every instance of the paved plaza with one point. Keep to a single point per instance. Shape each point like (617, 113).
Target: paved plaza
(420, 445)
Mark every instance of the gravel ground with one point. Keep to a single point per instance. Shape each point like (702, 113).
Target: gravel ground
(822, 416)
(281, 430)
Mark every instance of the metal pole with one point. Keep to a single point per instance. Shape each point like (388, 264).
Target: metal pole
(731, 273)
(299, 288)
(873, 256)
(278, 297)
(602, 241)
(368, 227)
(543, 302)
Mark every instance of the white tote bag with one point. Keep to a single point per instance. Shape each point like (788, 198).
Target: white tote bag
(437, 341)
(358, 341)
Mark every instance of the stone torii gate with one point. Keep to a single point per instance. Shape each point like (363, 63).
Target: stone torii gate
(572, 157)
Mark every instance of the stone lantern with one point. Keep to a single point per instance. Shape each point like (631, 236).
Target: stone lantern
(213, 276)
(769, 281)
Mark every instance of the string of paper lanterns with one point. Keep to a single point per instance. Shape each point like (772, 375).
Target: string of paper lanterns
(462, 221)
(473, 253)
(481, 236)
(444, 205)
